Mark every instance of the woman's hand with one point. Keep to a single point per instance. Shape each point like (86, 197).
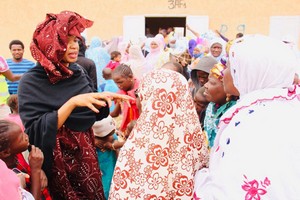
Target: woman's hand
(94, 101)
(118, 97)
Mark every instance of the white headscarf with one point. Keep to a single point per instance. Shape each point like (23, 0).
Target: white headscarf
(256, 154)
(259, 62)
(219, 41)
(137, 61)
(153, 58)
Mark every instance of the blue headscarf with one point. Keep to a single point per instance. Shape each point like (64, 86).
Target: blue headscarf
(99, 55)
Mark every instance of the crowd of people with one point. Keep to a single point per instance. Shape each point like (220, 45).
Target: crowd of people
(157, 117)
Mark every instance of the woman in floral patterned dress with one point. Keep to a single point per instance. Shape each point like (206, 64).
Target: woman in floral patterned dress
(166, 146)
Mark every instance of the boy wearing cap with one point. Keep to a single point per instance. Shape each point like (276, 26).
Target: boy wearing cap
(104, 132)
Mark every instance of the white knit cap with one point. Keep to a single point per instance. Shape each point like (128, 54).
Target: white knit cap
(103, 127)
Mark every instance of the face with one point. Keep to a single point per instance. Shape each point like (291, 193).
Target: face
(214, 90)
(196, 51)
(202, 77)
(216, 49)
(123, 83)
(118, 58)
(19, 140)
(229, 87)
(153, 45)
(17, 52)
(200, 102)
(71, 53)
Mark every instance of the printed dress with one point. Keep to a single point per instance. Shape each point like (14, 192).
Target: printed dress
(166, 147)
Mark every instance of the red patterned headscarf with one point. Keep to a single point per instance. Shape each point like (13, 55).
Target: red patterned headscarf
(50, 41)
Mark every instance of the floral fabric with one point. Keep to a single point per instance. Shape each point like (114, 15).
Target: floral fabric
(166, 147)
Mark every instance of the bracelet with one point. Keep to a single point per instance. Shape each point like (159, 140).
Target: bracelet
(113, 146)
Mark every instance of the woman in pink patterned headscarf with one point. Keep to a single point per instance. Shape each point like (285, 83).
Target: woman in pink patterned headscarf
(166, 147)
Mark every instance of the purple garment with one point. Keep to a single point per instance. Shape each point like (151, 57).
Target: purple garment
(192, 45)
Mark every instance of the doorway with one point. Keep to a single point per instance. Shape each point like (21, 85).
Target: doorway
(154, 23)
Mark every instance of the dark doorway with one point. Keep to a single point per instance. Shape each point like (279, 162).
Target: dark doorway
(154, 23)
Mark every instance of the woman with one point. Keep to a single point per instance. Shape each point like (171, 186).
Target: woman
(220, 102)
(165, 147)
(58, 108)
(256, 155)
(156, 57)
(137, 61)
(216, 49)
(99, 55)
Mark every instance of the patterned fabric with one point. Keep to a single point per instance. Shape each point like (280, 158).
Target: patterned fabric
(23, 166)
(166, 146)
(256, 151)
(50, 42)
(75, 173)
(212, 117)
(217, 71)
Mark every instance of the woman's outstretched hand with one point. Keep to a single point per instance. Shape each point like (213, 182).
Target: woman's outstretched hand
(94, 101)
(118, 97)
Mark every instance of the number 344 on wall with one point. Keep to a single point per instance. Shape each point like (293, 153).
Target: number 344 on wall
(176, 4)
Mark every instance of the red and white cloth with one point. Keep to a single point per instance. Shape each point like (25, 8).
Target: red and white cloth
(166, 147)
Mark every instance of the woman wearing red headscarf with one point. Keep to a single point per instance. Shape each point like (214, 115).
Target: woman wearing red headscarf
(58, 106)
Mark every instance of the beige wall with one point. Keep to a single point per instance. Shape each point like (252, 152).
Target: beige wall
(20, 17)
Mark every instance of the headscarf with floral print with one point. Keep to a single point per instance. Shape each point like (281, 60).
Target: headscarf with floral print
(217, 71)
(50, 41)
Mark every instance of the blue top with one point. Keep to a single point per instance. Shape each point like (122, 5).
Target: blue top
(212, 117)
(17, 68)
(107, 161)
(109, 86)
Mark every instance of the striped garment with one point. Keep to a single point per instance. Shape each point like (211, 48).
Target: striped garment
(17, 68)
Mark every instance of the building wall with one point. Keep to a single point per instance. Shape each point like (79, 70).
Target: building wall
(20, 17)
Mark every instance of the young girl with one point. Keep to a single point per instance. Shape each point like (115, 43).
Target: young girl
(115, 58)
(14, 116)
(127, 84)
(13, 141)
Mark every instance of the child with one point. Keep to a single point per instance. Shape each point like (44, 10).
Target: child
(14, 116)
(199, 75)
(11, 184)
(115, 58)
(104, 132)
(13, 141)
(127, 84)
(108, 84)
(129, 129)
(198, 53)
